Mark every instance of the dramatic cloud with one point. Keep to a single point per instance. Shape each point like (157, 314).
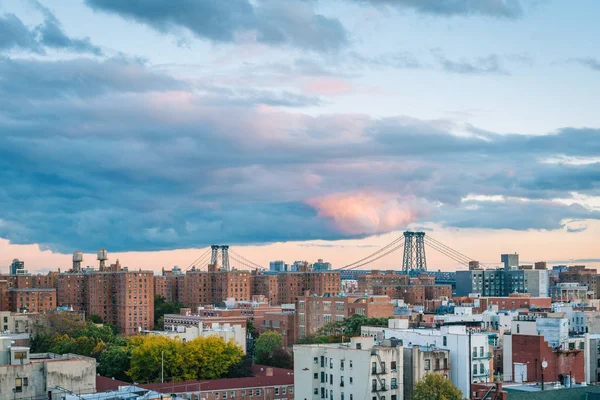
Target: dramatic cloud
(493, 8)
(368, 213)
(272, 22)
(115, 153)
(15, 35)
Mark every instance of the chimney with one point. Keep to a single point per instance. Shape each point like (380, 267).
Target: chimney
(269, 372)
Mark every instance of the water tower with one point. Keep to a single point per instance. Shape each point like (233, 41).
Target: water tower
(77, 259)
(102, 257)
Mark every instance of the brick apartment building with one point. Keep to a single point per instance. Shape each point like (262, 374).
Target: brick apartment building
(314, 312)
(215, 286)
(579, 274)
(120, 297)
(282, 322)
(170, 285)
(285, 287)
(34, 300)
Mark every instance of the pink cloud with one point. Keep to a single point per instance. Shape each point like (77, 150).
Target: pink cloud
(368, 213)
(327, 86)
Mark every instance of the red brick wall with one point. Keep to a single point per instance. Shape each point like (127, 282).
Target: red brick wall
(533, 349)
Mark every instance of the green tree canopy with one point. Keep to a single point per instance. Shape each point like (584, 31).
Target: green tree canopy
(265, 345)
(436, 387)
(162, 307)
(95, 318)
(202, 358)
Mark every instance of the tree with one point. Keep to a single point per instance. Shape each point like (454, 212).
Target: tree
(265, 345)
(251, 328)
(114, 362)
(202, 358)
(95, 318)
(162, 307)
(242, 369)
(436, 387)
(281, 358)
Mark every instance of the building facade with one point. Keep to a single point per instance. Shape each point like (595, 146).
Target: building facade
(361, 369)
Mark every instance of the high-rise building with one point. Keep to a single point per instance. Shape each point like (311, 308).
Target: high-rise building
(321, 266)
(17, 267)
(278, 266)
(510, 260)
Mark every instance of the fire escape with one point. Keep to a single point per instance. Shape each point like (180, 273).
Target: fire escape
(379, 386)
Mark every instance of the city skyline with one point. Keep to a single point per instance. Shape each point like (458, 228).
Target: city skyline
(298, 130)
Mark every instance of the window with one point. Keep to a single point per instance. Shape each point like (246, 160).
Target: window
(258, 392)
(394, 397)
(374, 368)
(351, 397)
(316, 391)
(475, 368)
(481, 351)
(374, 385)
(393, 383)
(331, 394)
(445, 341)
(283, 390)
(518, 330)
(20, 355)
(393, 366)
(18, 385)
(351, 360)
(25, 381)
(322, 361)
(359, 346)
(481, 369)
(427, 364)
(351, 381)
(342, 365)
(316, 360)
(331, 378)
(291, 390)
(445, 363)
(341, 381)
(342, 396)
(276, 390)
(437, 363)
(217, 395)
(224, 395)
(316, 375)
(322, 377)
(474, 351)
(331, 363)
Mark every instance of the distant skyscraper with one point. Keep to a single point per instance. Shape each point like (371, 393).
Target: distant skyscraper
(510, 260)
(17, 267)
(278, 266)
(321, 265)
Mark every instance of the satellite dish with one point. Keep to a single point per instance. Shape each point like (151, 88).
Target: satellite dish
(544, 364)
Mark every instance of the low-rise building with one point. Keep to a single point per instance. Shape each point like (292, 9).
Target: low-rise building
(11, 322)
(226, 331)
(420, 361)
(266, 384)
(48, 376)
(283, 322)
(470, 351)
(361, 369)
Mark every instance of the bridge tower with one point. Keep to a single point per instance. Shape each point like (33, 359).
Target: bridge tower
(220, 253)
(414, 252)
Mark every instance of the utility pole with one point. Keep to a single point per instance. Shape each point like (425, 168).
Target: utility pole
(162, 366)
(470, 366)
(544, 366)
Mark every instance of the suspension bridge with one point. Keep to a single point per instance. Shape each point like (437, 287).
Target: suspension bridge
(411, 245)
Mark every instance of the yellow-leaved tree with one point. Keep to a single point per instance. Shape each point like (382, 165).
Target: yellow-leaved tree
(202, 358)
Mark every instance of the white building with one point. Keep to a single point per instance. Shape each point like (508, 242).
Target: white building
(47, 376)
(359, 370)
(469, 351)
(235, 332)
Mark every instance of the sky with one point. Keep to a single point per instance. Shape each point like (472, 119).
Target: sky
(298, 129)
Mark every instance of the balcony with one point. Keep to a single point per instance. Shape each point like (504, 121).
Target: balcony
(382, 371)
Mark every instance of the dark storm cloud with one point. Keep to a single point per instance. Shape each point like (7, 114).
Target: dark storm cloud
(509, 9)
(275, 22)
(113, 153)
(14, 35)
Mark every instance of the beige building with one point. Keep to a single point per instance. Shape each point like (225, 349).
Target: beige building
(420, 361)
(11, 322)
(48, 376)
(358, 370)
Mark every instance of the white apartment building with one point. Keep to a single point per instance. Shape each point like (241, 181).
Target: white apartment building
(466, 349)
(359, 370)
(227, 331)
